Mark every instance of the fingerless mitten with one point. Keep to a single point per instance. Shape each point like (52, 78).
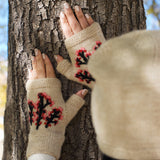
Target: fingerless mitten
(80, 47)
(48, 115)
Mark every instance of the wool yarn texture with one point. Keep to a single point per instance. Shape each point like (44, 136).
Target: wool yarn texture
(48, 115)
(81, 46)
(126, 97)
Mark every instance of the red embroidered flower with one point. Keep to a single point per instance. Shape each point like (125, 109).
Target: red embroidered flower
(49, 113)
(30, 103)
(37, 104)
(61, 109)
(88, 54)
(83, 49)
(98, 43)
(79, 71)
(80, 79)
(35, 116)
(82, 58)
(40, 111)
(49, 125)
(44, 115)
(55, 122)
(60, 117)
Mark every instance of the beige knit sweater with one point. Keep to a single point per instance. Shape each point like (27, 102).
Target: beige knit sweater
(126, 96)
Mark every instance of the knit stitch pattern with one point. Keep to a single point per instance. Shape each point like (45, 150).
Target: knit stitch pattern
(80, 47)
(52, 115)
(126, 97)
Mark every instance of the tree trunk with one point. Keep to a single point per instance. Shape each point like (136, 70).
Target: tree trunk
(35, 23)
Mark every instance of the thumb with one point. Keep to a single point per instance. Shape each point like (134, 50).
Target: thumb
(58, 58)
(73, 104)
(82, 93)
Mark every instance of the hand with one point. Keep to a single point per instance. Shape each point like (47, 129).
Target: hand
(70, 25)
(42, 68)
(83, 37)
(49, 114)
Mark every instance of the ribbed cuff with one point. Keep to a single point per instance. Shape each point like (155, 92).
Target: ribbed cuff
(83, 35)
(43, 83)
(48, 143)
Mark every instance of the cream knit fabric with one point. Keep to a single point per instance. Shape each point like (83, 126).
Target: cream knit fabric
(126, 96)
(84, 40)
(51, 113)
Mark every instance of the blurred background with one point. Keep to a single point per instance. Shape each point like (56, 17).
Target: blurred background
(152, 8)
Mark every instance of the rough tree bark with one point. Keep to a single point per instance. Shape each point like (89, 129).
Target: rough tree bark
(35, 23)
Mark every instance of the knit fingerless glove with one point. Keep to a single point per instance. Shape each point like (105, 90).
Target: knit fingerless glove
(80, 47)
(48, 115)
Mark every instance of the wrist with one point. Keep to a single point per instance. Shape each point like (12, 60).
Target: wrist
(43, 83)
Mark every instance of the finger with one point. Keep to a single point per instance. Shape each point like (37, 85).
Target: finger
(89, 19)
(82, 93)
(40, 67)
(58, 58)
(50, 73)
(82, 19)
(34, 63)
(75, 26)
(67, 31)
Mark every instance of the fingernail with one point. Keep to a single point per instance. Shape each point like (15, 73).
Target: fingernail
(62, 14)
(55, 57)
(77, 8)
(84, 92)
(87, 16)
(43, 55)
(36, 51)
(66, 5)
(32, 58)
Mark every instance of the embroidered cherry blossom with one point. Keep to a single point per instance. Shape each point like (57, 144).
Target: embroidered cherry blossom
(84, 75)
(38, 111)
(82, 58)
